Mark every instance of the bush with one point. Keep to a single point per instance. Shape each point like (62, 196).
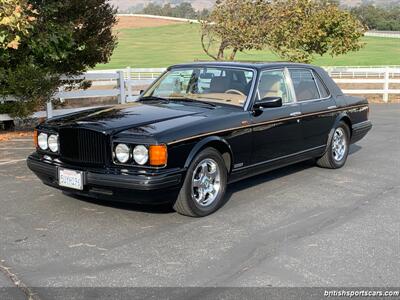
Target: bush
(18, 109)
(67, 38)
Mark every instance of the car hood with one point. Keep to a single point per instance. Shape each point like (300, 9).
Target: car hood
(122, 117)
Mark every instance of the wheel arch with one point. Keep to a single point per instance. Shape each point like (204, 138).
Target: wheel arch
(217, 143)
(345, 118)
(342, 117)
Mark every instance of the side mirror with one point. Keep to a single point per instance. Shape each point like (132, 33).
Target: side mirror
(268, 102)
(141, 92)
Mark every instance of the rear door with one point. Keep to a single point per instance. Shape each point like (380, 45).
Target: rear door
(316, 104)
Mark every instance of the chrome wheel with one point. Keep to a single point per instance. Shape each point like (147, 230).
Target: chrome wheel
(206, 182)
(339, 144)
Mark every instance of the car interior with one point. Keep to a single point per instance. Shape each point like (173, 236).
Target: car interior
(273, 85)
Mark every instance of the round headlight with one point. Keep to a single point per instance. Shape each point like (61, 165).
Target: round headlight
(42, 141)
(122, 153)
(140, 155)
(53, 142)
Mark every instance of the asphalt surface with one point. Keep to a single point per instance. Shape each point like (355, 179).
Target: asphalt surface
(298, 226)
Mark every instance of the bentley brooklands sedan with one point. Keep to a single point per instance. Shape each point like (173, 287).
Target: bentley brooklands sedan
(197, 128)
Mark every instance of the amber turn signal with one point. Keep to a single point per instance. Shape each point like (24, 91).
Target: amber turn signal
(158, 155)
(35, 138)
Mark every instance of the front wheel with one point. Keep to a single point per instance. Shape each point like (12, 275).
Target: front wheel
(338, 149)
(204, 187)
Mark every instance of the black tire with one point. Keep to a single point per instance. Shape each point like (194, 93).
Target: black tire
(185, 203)
(328, 160)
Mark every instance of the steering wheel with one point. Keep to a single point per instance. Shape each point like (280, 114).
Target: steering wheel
(233, 91)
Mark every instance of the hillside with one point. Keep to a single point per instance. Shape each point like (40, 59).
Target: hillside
(197, 4)
(200, 4)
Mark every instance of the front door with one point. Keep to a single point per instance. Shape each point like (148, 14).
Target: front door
(277, 131)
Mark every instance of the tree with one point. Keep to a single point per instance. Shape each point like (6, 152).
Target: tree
(153, 9)
(304, 28)
(296, 30)
(378, 18)
(67, 38)
(16, 19)
(182, 10)
(185, 10)
(235, 25)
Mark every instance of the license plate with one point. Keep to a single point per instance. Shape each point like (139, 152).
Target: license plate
(70, 179)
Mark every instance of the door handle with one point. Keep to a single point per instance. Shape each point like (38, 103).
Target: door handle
(295, 114)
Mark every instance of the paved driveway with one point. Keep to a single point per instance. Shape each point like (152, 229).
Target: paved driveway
(299, 226)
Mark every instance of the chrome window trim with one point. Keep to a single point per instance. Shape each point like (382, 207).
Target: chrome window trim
(316, 84)
(315, 74)
(248, 97)
(289, 78)
(312, 73)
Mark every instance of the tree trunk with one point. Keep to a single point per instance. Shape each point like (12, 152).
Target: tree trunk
(221, 50)
(220, 55)
(206, 49)
(233, 54)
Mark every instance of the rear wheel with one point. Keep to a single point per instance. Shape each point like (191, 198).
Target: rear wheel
(204, 187)
(338, 150)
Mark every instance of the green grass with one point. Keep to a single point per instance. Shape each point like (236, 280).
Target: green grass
(167, 45)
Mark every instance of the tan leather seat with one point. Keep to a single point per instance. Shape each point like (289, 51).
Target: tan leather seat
(270, 86)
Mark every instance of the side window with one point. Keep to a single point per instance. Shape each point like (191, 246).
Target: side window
(322, 88)
(273, 84)
(304, 84)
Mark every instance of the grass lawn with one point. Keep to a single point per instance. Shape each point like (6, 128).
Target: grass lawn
(167, 45)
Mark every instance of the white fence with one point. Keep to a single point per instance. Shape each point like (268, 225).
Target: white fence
(384, 76)
(121, 84)
(384, 34)
(159, 17)
(125, 84)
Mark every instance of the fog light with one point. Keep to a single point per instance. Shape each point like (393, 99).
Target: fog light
(53, 142)
(42, 141)
(122, 153)
(140, 155)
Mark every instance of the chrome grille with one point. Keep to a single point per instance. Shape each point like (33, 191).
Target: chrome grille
(83, 146)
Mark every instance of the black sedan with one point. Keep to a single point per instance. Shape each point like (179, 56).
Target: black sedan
(198, 128)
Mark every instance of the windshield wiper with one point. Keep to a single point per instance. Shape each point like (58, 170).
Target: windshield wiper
(154, 98)
(193, 101)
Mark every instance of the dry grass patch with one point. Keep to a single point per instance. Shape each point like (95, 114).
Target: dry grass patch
(142, 22)
(10, 135)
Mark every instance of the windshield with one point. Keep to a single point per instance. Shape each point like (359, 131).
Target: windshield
(208, 84)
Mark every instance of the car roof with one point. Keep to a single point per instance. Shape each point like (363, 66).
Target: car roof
(238, 64)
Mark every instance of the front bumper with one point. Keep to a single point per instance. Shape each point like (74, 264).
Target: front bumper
(126, 185)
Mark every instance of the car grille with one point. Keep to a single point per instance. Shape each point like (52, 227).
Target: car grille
(83, 146)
